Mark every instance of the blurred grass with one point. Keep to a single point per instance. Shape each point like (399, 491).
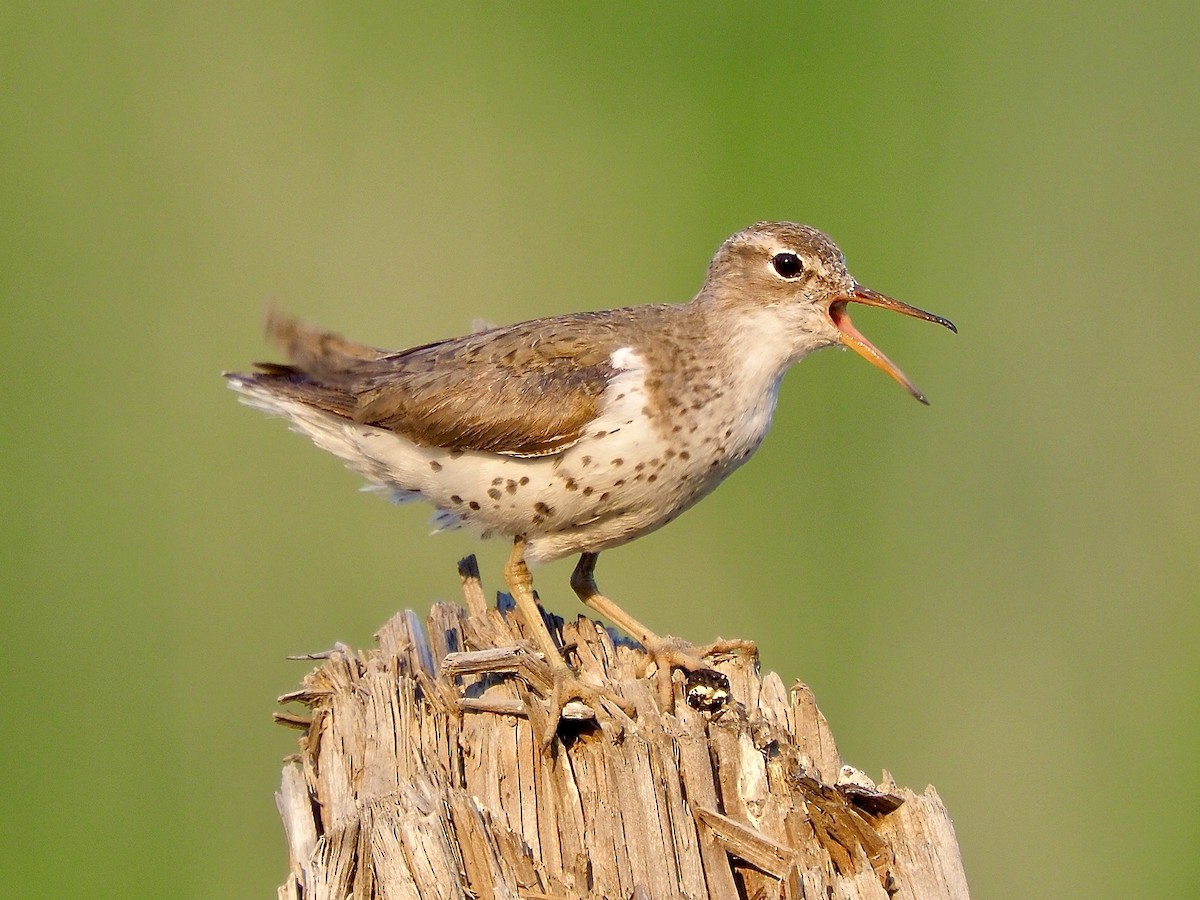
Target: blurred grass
(996, 595)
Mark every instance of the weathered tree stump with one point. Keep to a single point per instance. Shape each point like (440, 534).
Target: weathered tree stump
(420, 775)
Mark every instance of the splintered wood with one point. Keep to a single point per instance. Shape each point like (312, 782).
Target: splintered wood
(421, 775)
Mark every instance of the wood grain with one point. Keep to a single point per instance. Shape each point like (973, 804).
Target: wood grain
(419, 776)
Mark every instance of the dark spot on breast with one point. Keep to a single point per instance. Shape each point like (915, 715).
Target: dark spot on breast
(585, 460)
(683, 454)
(646, 412)
(538, 520)
(587, 491)
(454, 498)
(435, 465)
(455, 454)
(675, 429)
(604, 496)
(524, 480)
(571, 484)
(669, 454)
(510, 486)
(639, 467)
(494, 493)
(618, 462)
(652, 478)
(728, 432)
(496, 481)
(473, 505)
(618, 482)
(600, 434)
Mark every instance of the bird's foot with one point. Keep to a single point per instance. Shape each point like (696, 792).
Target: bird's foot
(707, 688)
(667, 653)
(604, 701)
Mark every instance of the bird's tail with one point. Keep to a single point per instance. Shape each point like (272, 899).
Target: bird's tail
(322, 354)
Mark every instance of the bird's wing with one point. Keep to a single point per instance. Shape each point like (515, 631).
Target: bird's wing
(524, 390)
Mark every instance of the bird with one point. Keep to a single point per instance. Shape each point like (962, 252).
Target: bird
(578, 433)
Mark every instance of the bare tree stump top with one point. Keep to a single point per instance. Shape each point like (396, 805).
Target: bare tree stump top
(420, 775)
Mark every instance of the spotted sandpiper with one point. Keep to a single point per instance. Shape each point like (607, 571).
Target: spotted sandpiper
(577, 433)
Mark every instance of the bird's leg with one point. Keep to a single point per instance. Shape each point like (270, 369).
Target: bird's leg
(668, 653)
(566, 684)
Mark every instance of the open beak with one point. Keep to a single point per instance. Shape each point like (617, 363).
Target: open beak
(854, 339)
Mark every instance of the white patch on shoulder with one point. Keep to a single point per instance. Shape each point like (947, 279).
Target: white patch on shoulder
(623, 399)
(624, 359)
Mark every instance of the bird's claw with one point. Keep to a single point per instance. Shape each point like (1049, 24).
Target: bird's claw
(566, 686)
(670, 653)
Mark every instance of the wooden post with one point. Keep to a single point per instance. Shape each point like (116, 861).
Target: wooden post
(420, 776)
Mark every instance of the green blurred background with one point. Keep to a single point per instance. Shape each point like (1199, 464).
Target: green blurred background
(997, 594)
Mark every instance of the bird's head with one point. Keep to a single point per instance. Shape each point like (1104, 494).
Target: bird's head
(799, 274)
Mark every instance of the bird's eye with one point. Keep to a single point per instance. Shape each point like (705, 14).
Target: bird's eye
(788, 265)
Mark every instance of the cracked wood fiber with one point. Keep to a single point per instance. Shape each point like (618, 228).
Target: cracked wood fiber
(419, 775)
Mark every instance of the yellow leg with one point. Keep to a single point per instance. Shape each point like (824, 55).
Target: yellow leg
(567, 685)
(667, 653)
(520, 584)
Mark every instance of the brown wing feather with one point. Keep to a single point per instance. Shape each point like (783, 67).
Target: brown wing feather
(525, 390)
